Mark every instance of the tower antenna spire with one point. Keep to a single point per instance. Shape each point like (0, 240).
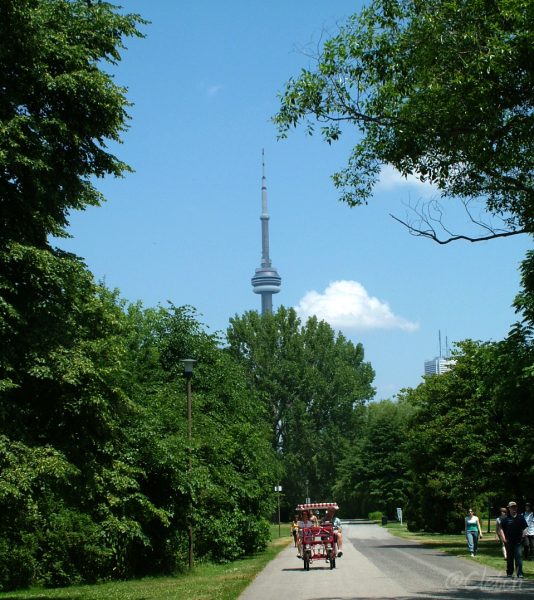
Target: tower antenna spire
(266, 280)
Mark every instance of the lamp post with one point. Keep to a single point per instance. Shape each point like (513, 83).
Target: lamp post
(278, 488)
(188, 364)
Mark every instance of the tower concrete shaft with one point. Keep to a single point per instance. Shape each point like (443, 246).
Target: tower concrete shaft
(266, 280)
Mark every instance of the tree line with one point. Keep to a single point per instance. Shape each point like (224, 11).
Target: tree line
(463, 438)
(98, 478)
(460, 439)
(442, 91)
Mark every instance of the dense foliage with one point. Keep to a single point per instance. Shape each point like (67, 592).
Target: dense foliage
(61, 405)
(97, 477)
(472, 441)
(373, 474)
(312, 383)
(440, 89)
(464, 438)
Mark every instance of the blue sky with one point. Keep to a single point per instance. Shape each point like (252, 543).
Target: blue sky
(185, 226)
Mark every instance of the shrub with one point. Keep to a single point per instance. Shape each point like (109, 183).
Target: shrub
(228, 537)
(73, 550)
(17, 564)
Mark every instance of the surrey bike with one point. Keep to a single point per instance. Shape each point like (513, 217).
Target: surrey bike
(318, 543)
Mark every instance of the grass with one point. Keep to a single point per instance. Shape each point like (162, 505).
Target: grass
(489, 550)
(205, 582)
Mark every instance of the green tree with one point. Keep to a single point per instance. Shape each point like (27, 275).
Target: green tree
(442, 90)
(59, 107)
(66, 399)
(374, 473)
(471, 435)
(62, 402)
(310, 383)
(229, 487)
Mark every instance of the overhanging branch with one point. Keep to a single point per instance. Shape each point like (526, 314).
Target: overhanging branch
(431, 233)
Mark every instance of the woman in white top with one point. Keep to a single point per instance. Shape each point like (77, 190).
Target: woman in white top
(304, 522)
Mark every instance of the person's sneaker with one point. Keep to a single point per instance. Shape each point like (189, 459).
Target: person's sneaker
(472, 554)
(521, 576)
(299, 556)
(339, 554)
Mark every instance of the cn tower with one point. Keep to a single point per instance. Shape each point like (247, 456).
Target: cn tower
(266, 281)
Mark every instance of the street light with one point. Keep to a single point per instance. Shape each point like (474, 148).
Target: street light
(188, 364)
(278, 488)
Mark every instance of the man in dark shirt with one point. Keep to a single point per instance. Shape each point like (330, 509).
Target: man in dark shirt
(513, 530)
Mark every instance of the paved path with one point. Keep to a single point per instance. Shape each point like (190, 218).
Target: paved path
(376, 564)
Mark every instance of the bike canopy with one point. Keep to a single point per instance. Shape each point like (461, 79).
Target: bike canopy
(318, 506)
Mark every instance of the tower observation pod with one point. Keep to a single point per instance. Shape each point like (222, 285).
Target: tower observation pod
(266, 281)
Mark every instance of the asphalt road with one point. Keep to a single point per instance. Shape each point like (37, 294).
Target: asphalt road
(376, 564)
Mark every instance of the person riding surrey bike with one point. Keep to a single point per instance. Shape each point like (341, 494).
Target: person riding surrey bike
(330, 518)
(304, 522)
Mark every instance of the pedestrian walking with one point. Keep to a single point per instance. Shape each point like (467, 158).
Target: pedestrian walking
(513, 530)
(528, 542)
(473, 532)
(503, 512)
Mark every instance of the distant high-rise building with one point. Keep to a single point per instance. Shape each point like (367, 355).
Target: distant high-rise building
(438, 365)
(266, 281)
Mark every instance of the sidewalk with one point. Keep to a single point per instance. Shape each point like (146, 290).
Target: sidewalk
(354, 577)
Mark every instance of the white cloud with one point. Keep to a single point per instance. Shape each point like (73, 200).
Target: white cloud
(347, 305)
(391, 179)
(213, 90)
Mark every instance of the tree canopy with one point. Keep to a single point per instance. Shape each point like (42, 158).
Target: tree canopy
(58, 109)
(95, 481)
(443, 90)
(311, 384)
(373, 473)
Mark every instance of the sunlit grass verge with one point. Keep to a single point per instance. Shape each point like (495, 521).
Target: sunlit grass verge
(489, 549)
(206, 582)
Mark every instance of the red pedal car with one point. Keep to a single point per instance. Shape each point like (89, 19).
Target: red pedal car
(318, 543)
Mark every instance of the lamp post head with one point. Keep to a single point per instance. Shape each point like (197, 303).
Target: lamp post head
(188, 364)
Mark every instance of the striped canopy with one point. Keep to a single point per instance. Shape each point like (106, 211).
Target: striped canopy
(317, 506)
